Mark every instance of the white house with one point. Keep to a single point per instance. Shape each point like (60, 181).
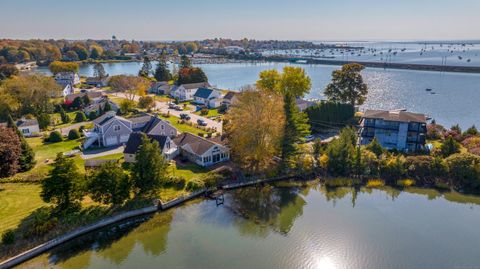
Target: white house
(396, 129)
(200, 150)
(203, 96)
(167, 146)
(229, 99)
(67, 90)
(185, 92)
(28, 127)
(67, 78)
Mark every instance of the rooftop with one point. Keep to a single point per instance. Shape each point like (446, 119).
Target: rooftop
(135, 140)
(198, 144)
(395, 115)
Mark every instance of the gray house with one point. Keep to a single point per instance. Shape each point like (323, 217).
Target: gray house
(167, 146)
(200, 150)
(160, 87)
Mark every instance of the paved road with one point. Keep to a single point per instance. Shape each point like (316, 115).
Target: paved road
(163, 108)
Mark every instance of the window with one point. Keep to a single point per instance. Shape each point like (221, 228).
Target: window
(116, 128)
(25, 131)
(162, 126)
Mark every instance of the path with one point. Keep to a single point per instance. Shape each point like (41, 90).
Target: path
(90, 154)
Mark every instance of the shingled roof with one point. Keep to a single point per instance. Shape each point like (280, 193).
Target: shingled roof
(203, 93)
(198, 144)
(402, 116)
(135, 140)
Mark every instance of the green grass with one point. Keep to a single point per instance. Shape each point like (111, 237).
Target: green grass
(47, 151)
(17, 201)
(188, 171)
(182, 127)
(115, 156)
(211, 113)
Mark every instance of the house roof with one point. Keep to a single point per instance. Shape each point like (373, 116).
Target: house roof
(141, 119)
(229, 95)
(203, 93)
(158, 84)
(402, 116)
(135, 140)
(196, 85)
(91, 95)
(27, 122)
(198, 144)
(104, 118)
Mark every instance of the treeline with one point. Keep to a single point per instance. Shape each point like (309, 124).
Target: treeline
(328, 115)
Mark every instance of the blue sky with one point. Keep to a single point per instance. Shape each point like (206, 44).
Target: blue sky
(259, 19)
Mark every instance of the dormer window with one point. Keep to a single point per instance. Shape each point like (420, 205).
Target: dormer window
(162, 126)
(116, 128)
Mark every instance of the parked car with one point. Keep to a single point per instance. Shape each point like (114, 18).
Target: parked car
(309, 138)
(171, 105)
(184, 116)
(201, 122)
(178, 108)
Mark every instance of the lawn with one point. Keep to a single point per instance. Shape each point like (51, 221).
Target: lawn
(115, 156)
(44, 152)
(211, 113)
(181, 126)
(17, 201)
(188, 171)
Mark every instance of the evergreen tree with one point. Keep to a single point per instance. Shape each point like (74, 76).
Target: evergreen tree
(43, 120)
(449, 146)
(296, 128)
(27, 157)
(62, 186)
(149, 170)
(77, 103)
(107, 106)
(99, 71)
(80, 116)
(63, 115)
(185, 62)
(161, 72)
(86, 100)
(375, 147)
(146, 67)
(109, 184)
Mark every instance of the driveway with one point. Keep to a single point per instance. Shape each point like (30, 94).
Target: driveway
(90, 154)
(67, 129)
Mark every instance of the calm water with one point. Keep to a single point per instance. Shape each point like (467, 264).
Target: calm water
(456, 98)
(291, 227)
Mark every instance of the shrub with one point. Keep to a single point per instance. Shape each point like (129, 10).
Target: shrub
(375, 183)
(465, 169)
(392, 167)
(435, 131)
(442, 185)
(54, 137)
(41, 222)
(80, 116)
(126, 106)
(204, 111)
(211, 179)
(8, 237)
(73, 134)
(405, 182)
(146, 102)
(92, 115)
(176, 182)
(341, 182)
(195, 184)
(449, 146)
(419, 166)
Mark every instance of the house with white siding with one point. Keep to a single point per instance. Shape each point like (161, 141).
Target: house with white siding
(206, 97)
(168, 148)
(185, 92)
(201, 151)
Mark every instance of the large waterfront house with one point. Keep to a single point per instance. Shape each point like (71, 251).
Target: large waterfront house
(28, 127)
(400, 130)
(160, 87)
(67, 78)
(112, 130)
(207, 96)
(167, 146)
(185, 92)
(201, 151)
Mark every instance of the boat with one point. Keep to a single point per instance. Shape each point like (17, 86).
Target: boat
(433, 93)
(428, 89)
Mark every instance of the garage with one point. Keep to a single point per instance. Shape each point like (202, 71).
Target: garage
(124, 138)
(111, 141)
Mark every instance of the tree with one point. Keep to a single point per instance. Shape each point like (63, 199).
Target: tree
(464, 169)
(85, 99)
(43, 120)
(149, 170)
(191, 75)
(27, 156)
(58, 67)
(80, 116)
(99, 71)
(107, 106)
(8, 105)
(7, 71)
(185, 62)
(77, 102)
(347, 85)
(81, 51)
(109, 184)
(255, 127)
(62, 187)
(93, 114)
(449, 146)
(471, 131)
(10, 152)
(146, 102)
(162, 73)
(293, 83)
(96, 51)
(340, 152)
(146, 67)
(73, 134)
(54, 137)
(63, 115)
(130, 86)
(375, 147)
(126, 106)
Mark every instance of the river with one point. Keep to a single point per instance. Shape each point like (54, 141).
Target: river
(456, 98)
(285, 226)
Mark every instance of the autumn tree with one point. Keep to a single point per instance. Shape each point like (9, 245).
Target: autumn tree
(191, 75)
(27, 155)
(58, 67)
(146, 102)
(109, 184)
(149, 170)
(292, 83)
(8, 105)
(130, 86)
(255, 128)
(347, 85)
(7, 71)
(62, 187)
(10, 152)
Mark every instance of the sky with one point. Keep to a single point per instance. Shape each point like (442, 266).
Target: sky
(255, 19)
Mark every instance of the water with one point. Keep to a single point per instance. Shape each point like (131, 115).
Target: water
(291, 227)
(456, 98)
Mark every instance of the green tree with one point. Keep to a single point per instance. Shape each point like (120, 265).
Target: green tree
(109, 184)
(92, 115)
(185, 62)
(80, 116)
(347, 85)
(375, 147)
(99, 71)
(8, 105)
(86, 100)
(107, 106)
(62, 187)
(10, 152)
(471, 131)
(58, 67)
(464, 169)
(27, 157)
(54, 137)
(7, 71)
(149, 170)
(449, 146)
(63, 115)
(162, 73)
(43, 120)
(146, 67)
(77, 103)
(341, 152)
(73, 134)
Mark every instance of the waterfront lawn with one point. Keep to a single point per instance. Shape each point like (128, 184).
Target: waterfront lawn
(45, 154)
(187, 171)
(17, 201)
